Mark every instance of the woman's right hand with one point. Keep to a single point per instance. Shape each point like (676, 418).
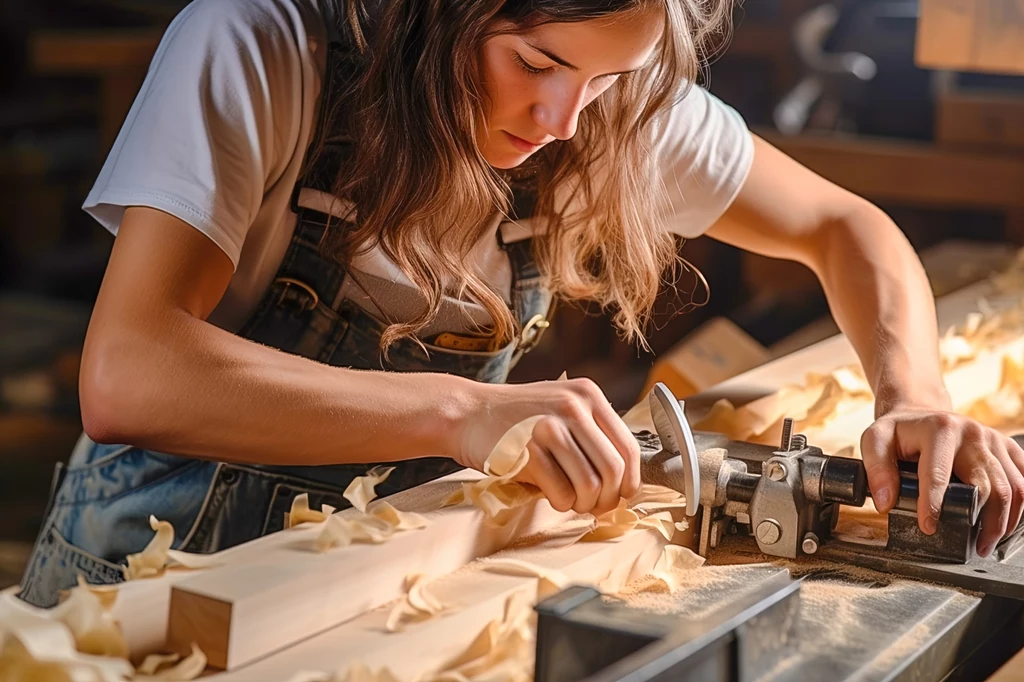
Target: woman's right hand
(582, 455)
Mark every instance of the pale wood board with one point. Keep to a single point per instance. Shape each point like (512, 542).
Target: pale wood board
(477, 597)
(250, 608)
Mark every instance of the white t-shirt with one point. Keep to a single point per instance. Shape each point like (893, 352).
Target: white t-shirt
(222, 122)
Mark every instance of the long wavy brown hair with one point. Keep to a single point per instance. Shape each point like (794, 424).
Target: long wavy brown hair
(426, 195)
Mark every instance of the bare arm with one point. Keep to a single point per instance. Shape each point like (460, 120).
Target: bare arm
(155, 374)
(881, 299)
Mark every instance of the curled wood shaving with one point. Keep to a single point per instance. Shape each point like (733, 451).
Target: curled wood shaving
(613, 524)
(501, 651)
(418, 604)
(150, 561)
(549, 581)
(301, 513)
(154, 662)
(35, 646)
(362, 488)
(158, 555)
(662, 522)
(93, 627)
(375, 526)
(188, 668)
(399, 520)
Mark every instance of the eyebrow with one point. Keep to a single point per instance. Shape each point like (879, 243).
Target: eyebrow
(558, 60)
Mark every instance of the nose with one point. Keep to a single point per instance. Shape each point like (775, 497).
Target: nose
(558, 114)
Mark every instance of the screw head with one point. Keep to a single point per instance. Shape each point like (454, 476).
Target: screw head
(768, 532)
(776, 471)
(810, 543)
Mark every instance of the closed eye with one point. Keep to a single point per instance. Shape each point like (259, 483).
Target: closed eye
(526, 66)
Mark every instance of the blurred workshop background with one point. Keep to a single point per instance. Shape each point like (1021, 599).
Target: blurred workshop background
(918, 106)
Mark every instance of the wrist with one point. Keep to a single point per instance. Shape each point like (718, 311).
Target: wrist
(461, 402)
(915, 396)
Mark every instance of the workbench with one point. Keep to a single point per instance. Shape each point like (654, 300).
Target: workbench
(272, 608)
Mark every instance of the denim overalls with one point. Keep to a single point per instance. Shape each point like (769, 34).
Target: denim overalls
(99, 512)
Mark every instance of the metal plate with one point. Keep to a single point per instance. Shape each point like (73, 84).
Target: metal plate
(674, 430)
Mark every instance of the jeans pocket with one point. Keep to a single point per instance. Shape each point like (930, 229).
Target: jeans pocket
(55, 565)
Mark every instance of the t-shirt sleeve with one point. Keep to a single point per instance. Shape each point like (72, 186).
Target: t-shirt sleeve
(216, 118)
(704, 151)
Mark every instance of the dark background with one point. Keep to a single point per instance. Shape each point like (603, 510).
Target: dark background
(73, 67)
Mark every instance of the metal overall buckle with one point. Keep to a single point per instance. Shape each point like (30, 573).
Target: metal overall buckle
(313, 298)
(533, 330)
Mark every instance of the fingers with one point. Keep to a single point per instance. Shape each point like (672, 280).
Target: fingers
(878, 451)
(545, 473)
(589, 486)
(1014, 479)
(1016, 457)
(937, 448)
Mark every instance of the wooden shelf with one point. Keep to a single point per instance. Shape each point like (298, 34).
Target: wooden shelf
(919, 173)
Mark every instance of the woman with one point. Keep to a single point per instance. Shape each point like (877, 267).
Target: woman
(303, 194)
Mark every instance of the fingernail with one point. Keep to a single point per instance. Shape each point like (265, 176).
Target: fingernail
(883, 499)
(987, 549)
(929, 525)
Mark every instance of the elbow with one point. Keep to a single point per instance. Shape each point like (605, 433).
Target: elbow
(106, 397)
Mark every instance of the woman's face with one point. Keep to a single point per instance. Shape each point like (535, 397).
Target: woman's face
(538, 82)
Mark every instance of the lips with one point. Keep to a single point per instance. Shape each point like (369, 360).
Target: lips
(521, 144)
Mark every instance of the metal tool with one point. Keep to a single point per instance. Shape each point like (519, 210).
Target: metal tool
(787, 498)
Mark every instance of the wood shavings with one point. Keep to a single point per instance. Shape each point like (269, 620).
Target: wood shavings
(418, 604)
(376, 525)
(188, 668)
(502, 651)
(158, 555)
(301, 513)
(662, 522)
(399, 520)
(811, 404)
(362, 488)
(613, 524)
(154, 662)
(340, 531)
(1005, 407)
(91, 625)
(549, 581)
(35, 646)
(151, 560)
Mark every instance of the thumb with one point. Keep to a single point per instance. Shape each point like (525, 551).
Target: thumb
(878, 450)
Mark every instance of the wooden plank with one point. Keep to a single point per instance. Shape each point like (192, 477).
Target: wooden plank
(917, 172)
(971, 35)
(247, 609)
(477, 597)
(945, 35)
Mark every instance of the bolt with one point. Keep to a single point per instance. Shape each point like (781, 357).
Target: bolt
(768, 532)
(787, 434)
(810, 543)
(776, 472)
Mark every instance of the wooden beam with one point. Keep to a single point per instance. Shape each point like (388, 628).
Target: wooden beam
(476, 596)
(243, 611)
(914, 172)
(971, 35)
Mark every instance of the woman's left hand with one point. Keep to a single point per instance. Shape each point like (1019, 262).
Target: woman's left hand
(945, 443)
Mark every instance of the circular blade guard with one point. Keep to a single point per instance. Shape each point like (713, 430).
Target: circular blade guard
(677, 438)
